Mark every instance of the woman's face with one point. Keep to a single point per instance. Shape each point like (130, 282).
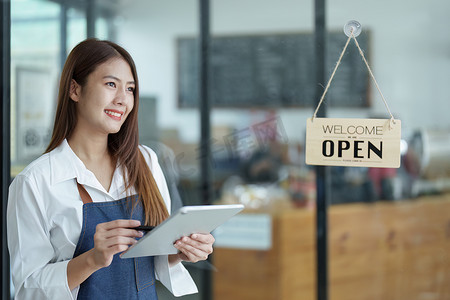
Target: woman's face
(106, 99)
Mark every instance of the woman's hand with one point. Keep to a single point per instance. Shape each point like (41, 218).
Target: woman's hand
(111, 238)
(194, 248)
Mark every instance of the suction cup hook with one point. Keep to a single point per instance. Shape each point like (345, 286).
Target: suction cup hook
(352, 26)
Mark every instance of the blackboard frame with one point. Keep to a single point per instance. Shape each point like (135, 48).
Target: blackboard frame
(273, 71)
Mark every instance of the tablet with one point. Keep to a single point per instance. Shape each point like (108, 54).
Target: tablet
(186, 221)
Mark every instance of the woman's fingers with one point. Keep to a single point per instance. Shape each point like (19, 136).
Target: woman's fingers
(118, 224)
(119, 240)
(122, 232)
(196, 247)
(190, 243)
(203, 238)
(113, 237)
(192, 254)
(118, 228)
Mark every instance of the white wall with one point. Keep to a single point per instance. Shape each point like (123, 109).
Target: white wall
(410, 54)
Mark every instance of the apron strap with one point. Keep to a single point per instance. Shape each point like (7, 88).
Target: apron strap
(84, 194)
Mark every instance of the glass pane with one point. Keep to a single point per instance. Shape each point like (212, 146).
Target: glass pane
(34, 72)
(149, 30)
(388, 235)
(146, 30)
(76, 27)
(262, 89)
(101, 28)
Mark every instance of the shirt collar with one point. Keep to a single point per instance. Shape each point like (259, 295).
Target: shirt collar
(66, 165)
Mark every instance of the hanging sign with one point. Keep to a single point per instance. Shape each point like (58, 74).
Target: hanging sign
(353, 142)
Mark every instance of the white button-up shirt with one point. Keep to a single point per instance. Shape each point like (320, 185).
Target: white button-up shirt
(45, 217)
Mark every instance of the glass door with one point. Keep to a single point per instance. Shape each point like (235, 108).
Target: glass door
(388, 228)
(262, 89)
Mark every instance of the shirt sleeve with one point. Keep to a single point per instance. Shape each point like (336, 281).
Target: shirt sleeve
(35, 273)
(176, 278)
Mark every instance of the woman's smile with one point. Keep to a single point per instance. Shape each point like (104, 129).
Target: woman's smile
(114, 114)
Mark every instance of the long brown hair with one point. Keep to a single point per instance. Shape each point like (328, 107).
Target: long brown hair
(123, 145)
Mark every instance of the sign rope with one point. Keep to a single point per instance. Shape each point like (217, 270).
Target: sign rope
(351, 35)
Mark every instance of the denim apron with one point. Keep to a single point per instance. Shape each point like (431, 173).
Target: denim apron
(130, 278)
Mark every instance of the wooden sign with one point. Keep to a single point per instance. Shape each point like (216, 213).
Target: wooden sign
(353, 142)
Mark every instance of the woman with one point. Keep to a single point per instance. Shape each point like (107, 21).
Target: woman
(72, 211)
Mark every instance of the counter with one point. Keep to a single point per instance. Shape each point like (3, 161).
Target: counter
(384, 250)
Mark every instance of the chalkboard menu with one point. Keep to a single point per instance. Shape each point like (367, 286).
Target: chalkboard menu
(272, 71)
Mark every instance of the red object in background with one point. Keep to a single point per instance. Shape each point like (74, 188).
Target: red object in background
(377, 175)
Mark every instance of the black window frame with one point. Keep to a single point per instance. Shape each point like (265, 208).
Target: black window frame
(5, 164)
